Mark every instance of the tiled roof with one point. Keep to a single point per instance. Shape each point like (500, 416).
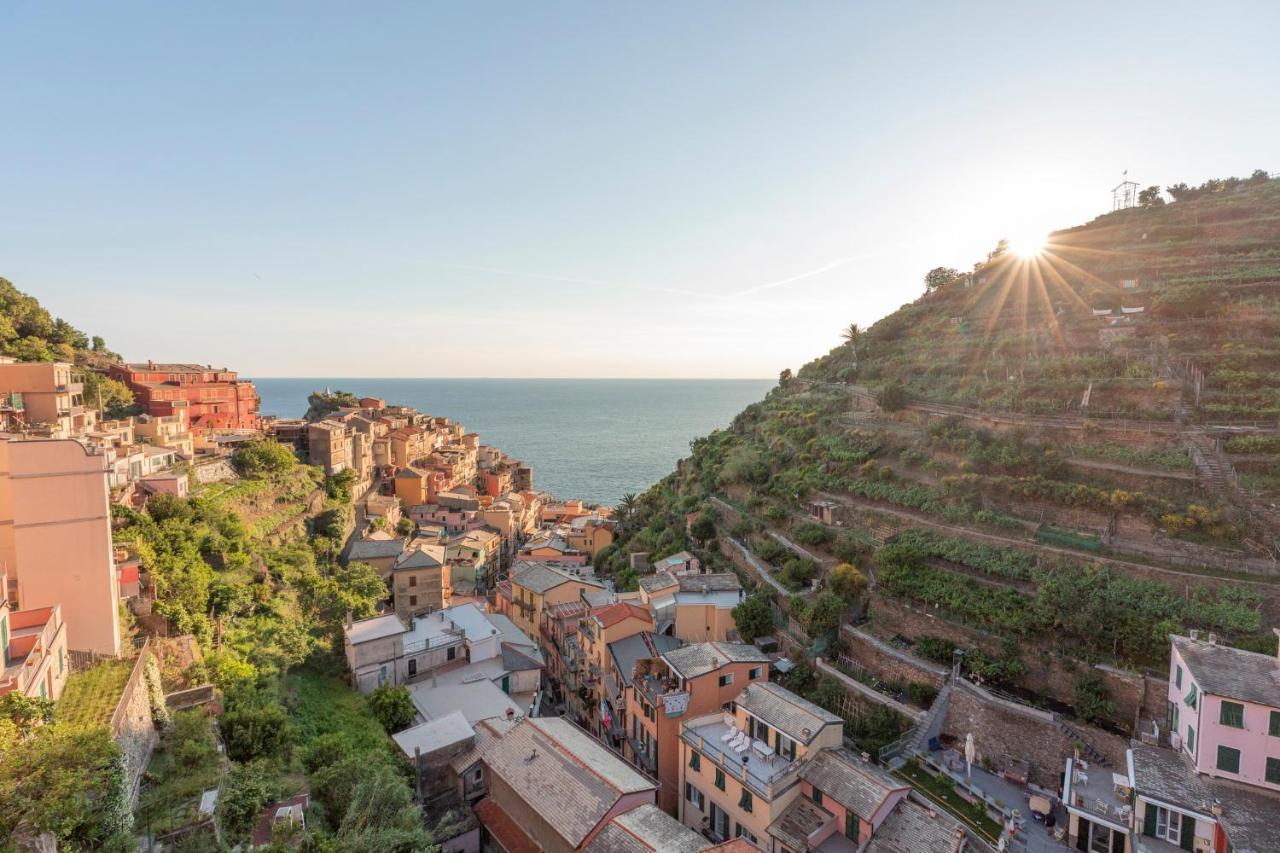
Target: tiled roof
(488, 732)
(798, 821)
(660, 580)
(700, 658)
(1234, 673)
(855, 784)
(915, 828)
(1168, 775)
(421, 557)
(726, 582)
(539, 577)
(504, 828)
(565, 609)
(373, 549)
(563, 773)
(1249, 816)
(517, 659)
(615, 613)
(784, 710)
(646, 829)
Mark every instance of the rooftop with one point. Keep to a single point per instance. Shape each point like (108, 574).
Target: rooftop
(646, 829)
(798, 821)
(476, 700)
(700, 658)
(421, 556)
(373, 549)
(434, 734)
(795, 716)
(654, 582)
(1234, 673)
(615, 613)
(755, 766)
(726, 582)
(1168, 775)
(855, 784)
(377, 628)
(1099, 791)
(562, 772)
(540, 577)
(915, 828)
(637, 647)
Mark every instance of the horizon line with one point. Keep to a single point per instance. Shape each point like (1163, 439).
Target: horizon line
(252, 377)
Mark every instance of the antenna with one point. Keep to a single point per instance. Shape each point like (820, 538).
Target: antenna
(1124, 194)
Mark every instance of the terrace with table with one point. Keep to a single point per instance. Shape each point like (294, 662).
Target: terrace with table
(752, 762)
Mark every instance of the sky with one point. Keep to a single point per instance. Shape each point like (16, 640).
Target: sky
(595, 189)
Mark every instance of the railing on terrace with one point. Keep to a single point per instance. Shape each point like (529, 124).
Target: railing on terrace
(428, 645)
(715, 751)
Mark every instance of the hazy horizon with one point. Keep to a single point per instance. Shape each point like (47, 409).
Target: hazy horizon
(571, 190)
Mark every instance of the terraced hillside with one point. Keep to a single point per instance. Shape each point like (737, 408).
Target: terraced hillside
(1051, 461)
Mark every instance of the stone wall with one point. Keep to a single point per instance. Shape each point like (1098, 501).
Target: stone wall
(889, 663)
(132, 726)
(1048, 673)
(213, 470)
(1002, 728)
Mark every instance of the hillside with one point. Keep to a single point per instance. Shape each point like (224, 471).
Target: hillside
(1023, 463)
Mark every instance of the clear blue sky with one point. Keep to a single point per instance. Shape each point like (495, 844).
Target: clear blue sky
(588, 189)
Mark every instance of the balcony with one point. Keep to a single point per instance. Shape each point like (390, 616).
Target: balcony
(1098, 793)
(762, 774)
(642, 759)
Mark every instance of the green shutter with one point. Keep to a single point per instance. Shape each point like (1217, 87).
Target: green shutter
(1149, 820)
(1274, 727)
(1082, 835)
(1188, 840)
(695, 760)
(719, 778)
(744, 802)
(1273, 771)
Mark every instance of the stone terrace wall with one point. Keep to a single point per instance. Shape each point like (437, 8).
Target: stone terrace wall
(889, 663)
(1048, 673)
(1003, 728)
(132, 726)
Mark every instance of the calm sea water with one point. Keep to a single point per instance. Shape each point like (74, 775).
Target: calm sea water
(594, 439)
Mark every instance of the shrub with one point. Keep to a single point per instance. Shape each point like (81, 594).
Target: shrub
(847, 582)
(1092, 697)
(936, 649)
(248, 787)
(814, 535)
(392, 706)
(255, 728)
(892, 396)
(753, 617)
(260, 458)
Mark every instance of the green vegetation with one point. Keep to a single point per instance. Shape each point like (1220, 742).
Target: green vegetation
(321, 404)
(263, 458)
(943, 791)
(753, 617)
(392, 706)
(185, 764)
(91, 696)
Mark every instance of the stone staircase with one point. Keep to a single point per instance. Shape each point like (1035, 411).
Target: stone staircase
(1087, 749)
(917, 740)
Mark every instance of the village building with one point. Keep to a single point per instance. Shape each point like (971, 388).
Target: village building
(739, 767)
(417, 579)
(48, 396)
(215, 399)
(677, 685)
(534, 585)
(553, 787)
(33, 649)
(168, 431)
(379, 549)
(599, 629)
(55, 537)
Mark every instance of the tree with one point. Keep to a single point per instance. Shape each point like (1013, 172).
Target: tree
(404, 526)
(822, 617)
(852, 333)
(69, 781)
(704, 528)
(1150, 197)
(392, 706)
(247, 789)
(892, 396)
(260, 458)
(753, 617)
(341, 485)
(847, 582)
(321, 404)
(1092, 697)
(382, 816)
(25, 713)
(785, 377)
(113, 397)
(939, 276)
(626, 509)
(254, 728)
(1259, 176)
(1181, 191)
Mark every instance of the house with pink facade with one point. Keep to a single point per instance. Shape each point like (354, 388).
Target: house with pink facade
(33, 649)
(1224, 709)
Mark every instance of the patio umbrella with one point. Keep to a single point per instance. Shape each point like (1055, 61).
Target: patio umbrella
(970, 752)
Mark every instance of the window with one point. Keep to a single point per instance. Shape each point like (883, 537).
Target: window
(413, 601)
(1231, 714)
(695, 760)
(413, 667)
(413, 580)
(726, 679)
(62, 663)
(1228, 759)
(753, 673)
(817, 796)
(719, 778)
(694, 796)
(1191, 739)
(1273, 771)
(451, 653)
(1159, 822)
(1191, 696)
(1099, 837)
(743, 832)
(1177, 677)
(1274, 728)
(851, 826)
(744, 802)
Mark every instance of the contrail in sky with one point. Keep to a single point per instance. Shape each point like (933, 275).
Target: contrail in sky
(770, 285)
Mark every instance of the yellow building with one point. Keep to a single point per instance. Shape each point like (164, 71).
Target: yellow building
(740, 769)
(536, 585)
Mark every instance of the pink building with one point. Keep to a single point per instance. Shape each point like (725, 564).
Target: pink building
(1224, 710)
(55, 537)
(33, 650)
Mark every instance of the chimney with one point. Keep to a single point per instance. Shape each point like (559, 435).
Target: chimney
(1276, 631)
(1194, 633)
(350, 620)
(1213, 639)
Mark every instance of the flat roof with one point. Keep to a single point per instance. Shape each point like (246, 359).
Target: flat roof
(435, 734)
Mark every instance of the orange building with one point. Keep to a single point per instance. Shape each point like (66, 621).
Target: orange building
(679, 684)
(213, 398)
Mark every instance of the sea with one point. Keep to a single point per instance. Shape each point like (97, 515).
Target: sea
(594, 439)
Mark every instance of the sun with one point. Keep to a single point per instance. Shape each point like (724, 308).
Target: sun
(1027, 246)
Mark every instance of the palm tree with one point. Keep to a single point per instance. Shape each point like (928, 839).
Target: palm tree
(852, 333)
(626, 509)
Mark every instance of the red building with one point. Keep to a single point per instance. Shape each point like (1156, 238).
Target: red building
(212, 398)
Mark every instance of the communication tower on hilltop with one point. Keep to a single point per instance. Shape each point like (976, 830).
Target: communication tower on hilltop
(1125, 193)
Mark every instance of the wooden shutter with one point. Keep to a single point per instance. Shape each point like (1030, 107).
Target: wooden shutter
(1188, 840)
(1149, 821)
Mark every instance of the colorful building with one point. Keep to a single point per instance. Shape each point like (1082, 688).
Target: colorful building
(33, 649)
(50, 394)
(216, 399)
